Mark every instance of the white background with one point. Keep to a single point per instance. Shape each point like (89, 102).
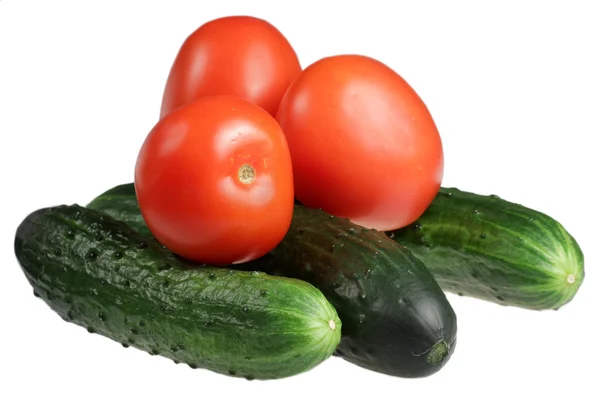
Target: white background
(513, 86)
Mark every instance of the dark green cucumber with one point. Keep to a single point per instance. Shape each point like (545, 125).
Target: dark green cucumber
(396, 319)
(489, 248)
(129, 210)
(98, 273)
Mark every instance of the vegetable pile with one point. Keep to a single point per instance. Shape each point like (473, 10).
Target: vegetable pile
(280, 215)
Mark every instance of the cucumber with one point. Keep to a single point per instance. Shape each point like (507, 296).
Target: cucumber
(492, 249)
(396, 319)
(128, 210)
(98, 273)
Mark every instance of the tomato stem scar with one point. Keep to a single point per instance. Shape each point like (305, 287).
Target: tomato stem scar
(246, 174)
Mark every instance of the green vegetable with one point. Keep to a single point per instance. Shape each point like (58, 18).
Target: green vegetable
(121, 203)
(98, 273)
(396, 318)
(489, 248)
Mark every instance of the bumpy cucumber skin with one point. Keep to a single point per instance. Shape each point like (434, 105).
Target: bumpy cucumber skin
(394, 312)
(397, 320)
(485, 247)
(98, 273)
(128, 209)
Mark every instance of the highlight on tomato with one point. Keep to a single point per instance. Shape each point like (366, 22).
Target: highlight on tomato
(214, 181)
(242, 56)
(363, 143)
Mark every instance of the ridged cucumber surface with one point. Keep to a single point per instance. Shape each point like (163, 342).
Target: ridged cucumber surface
(396, 319)
(99, 273)
(121, 203)
(489, 248)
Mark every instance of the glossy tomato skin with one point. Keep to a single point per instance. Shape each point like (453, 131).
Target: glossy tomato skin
(363, 143)
(214, 181)
(238, 55)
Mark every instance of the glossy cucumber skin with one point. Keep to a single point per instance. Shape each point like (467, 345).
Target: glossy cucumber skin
(492, 249)
(396, 319)
(128, 209)
(98, 273)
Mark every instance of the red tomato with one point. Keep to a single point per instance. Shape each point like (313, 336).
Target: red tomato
(241, 56)
(214, 181)
(363, 144)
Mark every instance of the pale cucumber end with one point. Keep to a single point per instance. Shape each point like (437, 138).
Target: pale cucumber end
(572, 280)
(332, 324)
(331, 333)
(328, 332)
(438, 352)
(569, 273)
(567, 285)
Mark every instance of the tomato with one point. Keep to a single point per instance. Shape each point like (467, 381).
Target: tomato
(363, 143)
(214, 181)
(238, 55)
